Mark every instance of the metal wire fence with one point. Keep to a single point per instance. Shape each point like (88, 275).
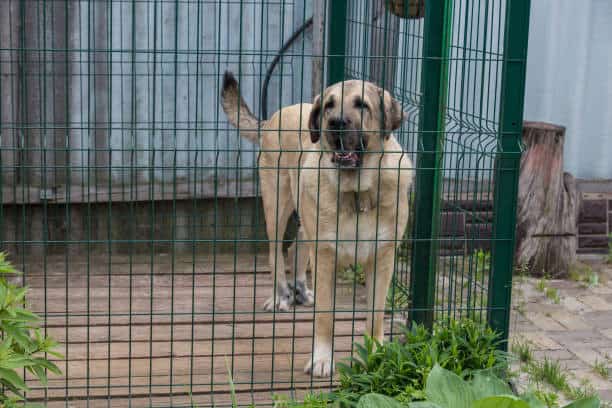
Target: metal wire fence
(135, 209)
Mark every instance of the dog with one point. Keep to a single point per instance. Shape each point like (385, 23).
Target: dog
(337, 163)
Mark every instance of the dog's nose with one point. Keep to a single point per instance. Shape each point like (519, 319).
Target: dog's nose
(337, 123)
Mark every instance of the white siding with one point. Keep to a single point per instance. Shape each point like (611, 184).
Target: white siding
(569, 79)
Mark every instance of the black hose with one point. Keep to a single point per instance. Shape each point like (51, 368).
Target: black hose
(277, 57)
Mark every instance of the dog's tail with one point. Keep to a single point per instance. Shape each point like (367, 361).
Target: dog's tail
(237, 111)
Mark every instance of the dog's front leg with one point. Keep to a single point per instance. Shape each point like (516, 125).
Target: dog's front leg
(321, 362)
(378, 279)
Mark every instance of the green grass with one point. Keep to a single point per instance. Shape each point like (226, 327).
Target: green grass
(601, 368)
(523, 352)
(583, 274)
(310, 401)
(584, 390)
(550, 399)
(541, 286)
(550, 372)
(553, 295)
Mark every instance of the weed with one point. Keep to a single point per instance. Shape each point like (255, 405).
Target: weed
(553, 295)
(601, 368)
(541, 286)
(584, 274)
(523, 351)
(585, 390)
(551, 399)
(310, 401)
(550, 372)
(609, 260)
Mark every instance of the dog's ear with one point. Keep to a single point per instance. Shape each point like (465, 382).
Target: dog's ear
(314, 120)
(392, 112)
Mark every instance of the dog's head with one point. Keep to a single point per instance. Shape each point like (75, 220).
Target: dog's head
(351, 118)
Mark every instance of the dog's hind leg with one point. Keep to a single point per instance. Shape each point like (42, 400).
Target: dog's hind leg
(277, 212)
(300, 255)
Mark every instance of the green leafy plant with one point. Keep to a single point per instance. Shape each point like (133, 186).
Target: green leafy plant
(22, 345)
(399, 369)
(445, 389)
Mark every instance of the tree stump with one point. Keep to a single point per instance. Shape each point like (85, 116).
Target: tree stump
(546, 234)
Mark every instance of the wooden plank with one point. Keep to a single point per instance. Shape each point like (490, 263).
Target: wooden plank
(130, 344)
(145, 264)
(143, 191)
(200, 331)
(198, 397)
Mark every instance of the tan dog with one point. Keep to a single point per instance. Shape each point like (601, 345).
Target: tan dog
(337, 163)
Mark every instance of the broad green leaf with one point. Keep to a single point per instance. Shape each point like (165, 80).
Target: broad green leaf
(448, 390)
(18, 335)
(49, 365)
(378, 401)
(591, 402)
(11, 377)
(485, 384)
(41, 374)
(26, 315)
(15, 362)
(501, 401)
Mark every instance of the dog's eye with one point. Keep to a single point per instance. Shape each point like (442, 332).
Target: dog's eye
(329, 104)
(360, 104)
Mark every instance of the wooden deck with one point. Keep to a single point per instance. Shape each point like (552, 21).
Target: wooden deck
(158, 331)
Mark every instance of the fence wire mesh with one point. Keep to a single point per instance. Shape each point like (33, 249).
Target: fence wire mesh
(135, 209)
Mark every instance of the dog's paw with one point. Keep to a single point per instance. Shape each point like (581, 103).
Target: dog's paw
(281, 301)
(320, 366)
(303, 295)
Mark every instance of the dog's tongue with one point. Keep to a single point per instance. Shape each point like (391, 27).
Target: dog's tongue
(347, 156)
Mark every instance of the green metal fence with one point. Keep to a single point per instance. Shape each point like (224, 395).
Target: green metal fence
(134, 209)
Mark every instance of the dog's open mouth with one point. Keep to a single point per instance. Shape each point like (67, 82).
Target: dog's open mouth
(347, 159)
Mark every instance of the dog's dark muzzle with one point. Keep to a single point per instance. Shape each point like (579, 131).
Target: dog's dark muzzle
(348, 143)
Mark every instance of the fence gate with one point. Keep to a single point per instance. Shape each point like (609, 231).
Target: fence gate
(133, 207)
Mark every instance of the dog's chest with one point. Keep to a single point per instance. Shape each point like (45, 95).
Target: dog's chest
(360, 230)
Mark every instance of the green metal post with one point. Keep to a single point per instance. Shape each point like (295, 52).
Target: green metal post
(429, 161)
(336, 41)
(508, 163)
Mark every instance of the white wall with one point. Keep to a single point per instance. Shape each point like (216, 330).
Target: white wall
(569, 79)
